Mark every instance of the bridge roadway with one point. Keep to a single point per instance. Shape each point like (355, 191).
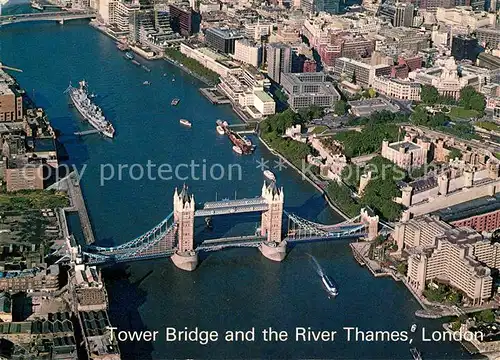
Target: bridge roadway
(237, 241)
(47, 16)
(232, 207)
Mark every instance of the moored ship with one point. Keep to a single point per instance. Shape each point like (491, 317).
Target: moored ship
(123, 47)
(220, 130)
(244, 144)
(90, 112)
(36, 5)
(129, 55)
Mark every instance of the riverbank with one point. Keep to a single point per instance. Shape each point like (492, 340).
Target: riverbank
(305, 177)
(121, 209)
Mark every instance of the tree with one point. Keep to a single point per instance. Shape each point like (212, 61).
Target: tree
(402, 268)
(429, 94)
(420, 116)
(455, 326)
(454, 154)
(341, 107)
(486, 316)
(353, 79)
(471, 99)
(309, 113)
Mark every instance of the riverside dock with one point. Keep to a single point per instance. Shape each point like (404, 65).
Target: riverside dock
(214, 96)
(77, 203)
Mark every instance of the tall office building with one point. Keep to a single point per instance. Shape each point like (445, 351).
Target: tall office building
(313, 6)
(183, 20)
(331, 6)
(223, 40)
(404, 15)
(279, 60)
(464, 47)
(398, 14)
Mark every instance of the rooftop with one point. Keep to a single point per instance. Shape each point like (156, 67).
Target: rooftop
(263, 96)
(408, 145)
(226, 33)
(44, 145)
(5, 89)
(471, 208)
(367, 106)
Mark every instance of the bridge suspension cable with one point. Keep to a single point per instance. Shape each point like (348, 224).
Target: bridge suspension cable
(137, 241)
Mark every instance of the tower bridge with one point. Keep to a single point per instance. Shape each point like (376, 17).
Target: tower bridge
(174, 236)
(60, 16)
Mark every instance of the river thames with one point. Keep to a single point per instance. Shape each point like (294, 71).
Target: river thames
(232, 289)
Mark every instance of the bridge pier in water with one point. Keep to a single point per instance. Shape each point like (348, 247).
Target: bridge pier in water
(271, 223)
(174, 235)
(273, 248)
(185, 257)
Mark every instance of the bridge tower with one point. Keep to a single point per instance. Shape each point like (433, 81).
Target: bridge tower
(271, 223)
(371, 223)
(185, 257)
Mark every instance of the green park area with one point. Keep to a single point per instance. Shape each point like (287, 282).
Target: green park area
(458, 113)
(273, 128)
(192, 65)
(488, 125)
(442, 293)
(26, 200)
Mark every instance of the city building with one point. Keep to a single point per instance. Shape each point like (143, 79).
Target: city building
(406, 154)
(24, 174)
(345, 45)
(98, 341)
(359, 72)
(257, 30)
(246, 89)
(395, 41)
(155, 30)
(50, 336)
(456, 258)
(445, 78)
(31, 279)
(248, 52)
(89, 288)
(420, 232)
(279, 60)
(306, 89)
(399, 14)
(222, 40)
(488, 61)
(331, 6)
(11, 104)
(123, 18)
(183, 19)
(5, 307)
(464, 47)
(488, 37)
(397, 88)
(309, 66)
(208, 6)
(366, 107)
(216, 62)
(482, 214)
(464, 18)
